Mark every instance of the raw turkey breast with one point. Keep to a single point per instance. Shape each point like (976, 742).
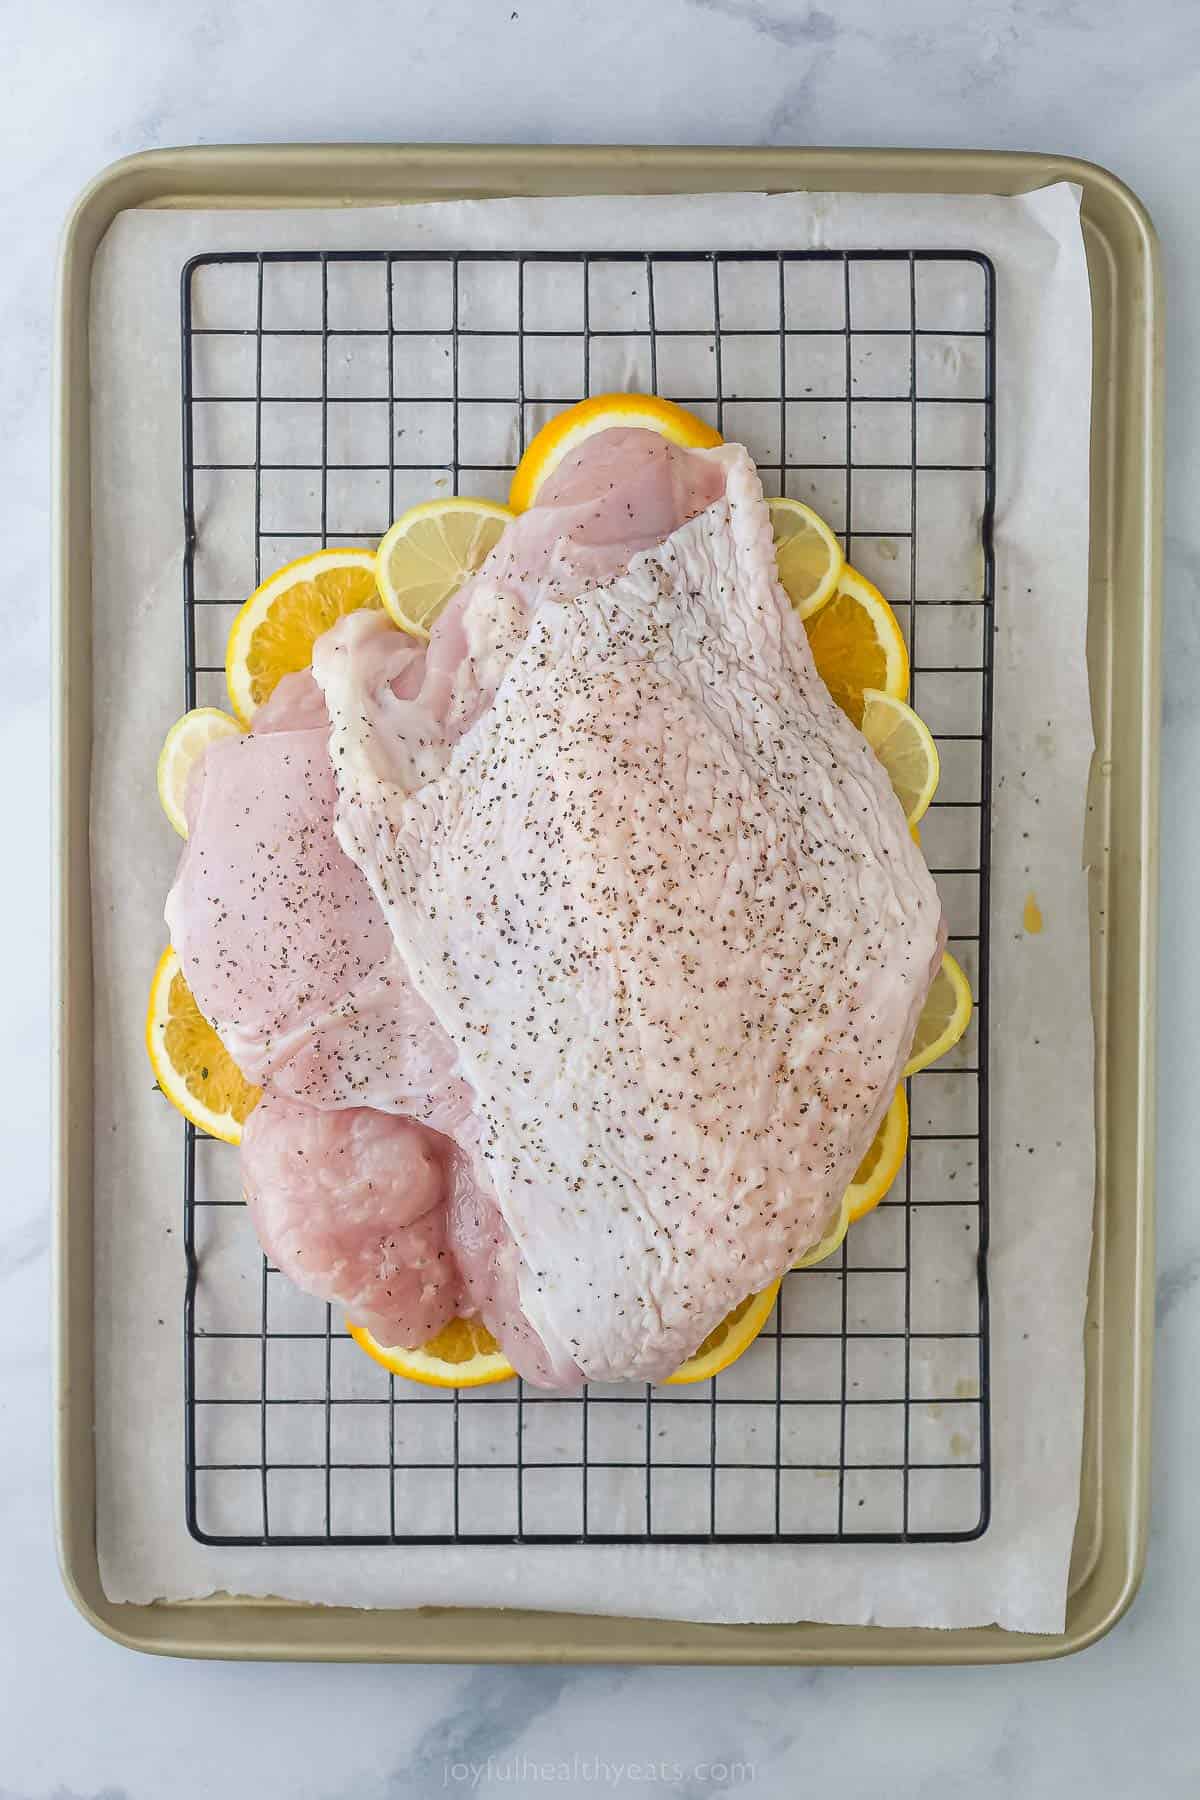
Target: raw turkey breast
(655, 891)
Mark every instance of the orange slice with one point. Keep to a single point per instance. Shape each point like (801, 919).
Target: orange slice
(872, 1179)
(567, 430)
(857, 644)
(883, 1161)
(190, 1063)
(736, 1332)
(463, 1354)
(275, 631)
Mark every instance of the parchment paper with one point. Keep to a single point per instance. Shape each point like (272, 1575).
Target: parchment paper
(1040, 1031)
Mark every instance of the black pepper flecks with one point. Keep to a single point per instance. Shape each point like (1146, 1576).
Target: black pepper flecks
(667, 907)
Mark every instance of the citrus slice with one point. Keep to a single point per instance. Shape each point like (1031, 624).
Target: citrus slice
(883, 1161)
(463, 1354)
(904, 745)
(736, 1332)
(808, 555)
(183, 745)
(429, 552)
(944, 1017)
(190, 1063)
(831, 1241)
(872, 1179)
(275, 631)
(857, 644)
(567, 430)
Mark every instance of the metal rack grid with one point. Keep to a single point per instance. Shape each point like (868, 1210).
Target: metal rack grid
(863, 382)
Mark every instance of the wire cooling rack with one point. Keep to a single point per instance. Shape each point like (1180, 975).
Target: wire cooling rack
(324, 392)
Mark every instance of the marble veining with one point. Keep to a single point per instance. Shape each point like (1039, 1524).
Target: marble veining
(782, 25)
(81, 1719)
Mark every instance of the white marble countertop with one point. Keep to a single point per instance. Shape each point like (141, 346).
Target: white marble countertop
(1108, 80)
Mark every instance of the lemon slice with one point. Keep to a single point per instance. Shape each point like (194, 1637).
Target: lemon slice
(275, 631)
(736, 1332)
(183, 745)
(831, 1241)
(567, 430)
(904, 745)
(808, 555)
(429, 552)
(192, 1066)
(883, 1161)
(944, 1017)
(857, 644)
(463, 1354)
